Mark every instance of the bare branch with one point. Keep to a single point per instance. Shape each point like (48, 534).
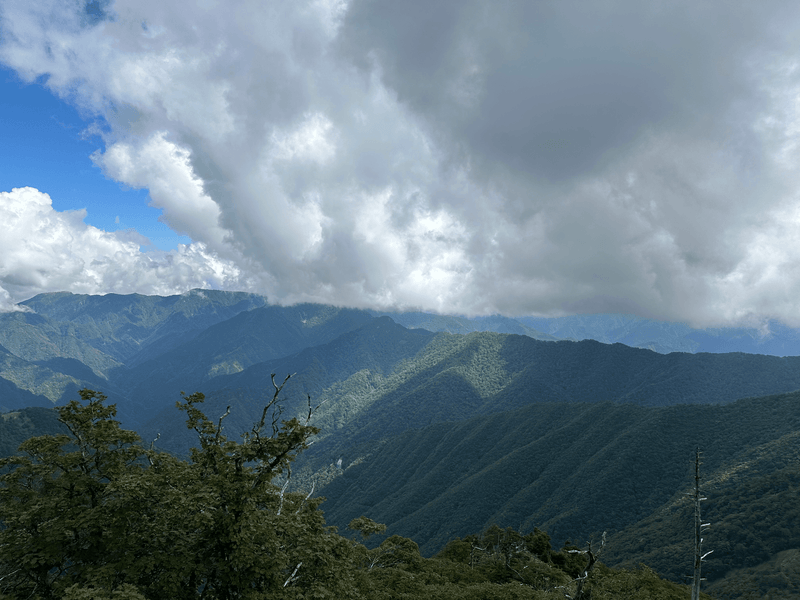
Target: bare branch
(593, 556)
(276, 415)
(273, 401)
(292, 577)
(299, 508)
(283, 491)
(311, 411)
(9, 574)
(149, 457)
(219, 425)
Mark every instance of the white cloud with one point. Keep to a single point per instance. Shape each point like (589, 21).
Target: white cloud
(309, 141)
(44, 250)
(165, 170)
(457, 156)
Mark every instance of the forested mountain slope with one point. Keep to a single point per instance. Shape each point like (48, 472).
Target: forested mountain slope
(136, 523)
(262, 334)
(18, 426)
(132, 328)
(142, 350)
(573, 470)
(61, 342)
(381, 379)
(754, 511)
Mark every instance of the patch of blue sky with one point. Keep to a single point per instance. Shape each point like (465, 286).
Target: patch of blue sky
(45, 143)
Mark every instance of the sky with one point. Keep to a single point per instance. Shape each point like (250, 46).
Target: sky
(459, 156)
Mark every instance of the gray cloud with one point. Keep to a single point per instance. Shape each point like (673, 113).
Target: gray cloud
(519, 157)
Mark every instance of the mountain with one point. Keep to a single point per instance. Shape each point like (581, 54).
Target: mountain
(444, 425)
(18, 426)
(41, 383)
(34, 337)
(576, 470)
(572, 469)
(340, 375)
(454, 324)
(752, 507)
(132, 328)
(250, 337)
(381, 379)
(771, 338)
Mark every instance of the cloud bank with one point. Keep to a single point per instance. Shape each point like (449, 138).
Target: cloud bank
(460, 156)
(44, 250)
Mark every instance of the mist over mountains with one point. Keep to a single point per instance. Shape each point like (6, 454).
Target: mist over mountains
(443, 425)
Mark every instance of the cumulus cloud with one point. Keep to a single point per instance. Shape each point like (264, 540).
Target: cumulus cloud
(44, 250)
(166, 170)
(461, 156)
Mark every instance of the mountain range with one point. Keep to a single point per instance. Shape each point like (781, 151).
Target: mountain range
(440, 426)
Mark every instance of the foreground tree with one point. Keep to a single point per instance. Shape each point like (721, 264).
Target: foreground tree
(95, 514)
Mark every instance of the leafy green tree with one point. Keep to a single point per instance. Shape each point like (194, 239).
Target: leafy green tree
(93, 514)
(54, 500)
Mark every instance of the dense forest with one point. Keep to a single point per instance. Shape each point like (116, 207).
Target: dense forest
(94, 514)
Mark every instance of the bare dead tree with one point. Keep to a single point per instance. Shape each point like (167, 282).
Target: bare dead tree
(699, 527)
(592, 556)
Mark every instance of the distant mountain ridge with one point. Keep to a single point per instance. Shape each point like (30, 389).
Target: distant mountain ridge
(773, 338)
(132, 328)
(147, 349)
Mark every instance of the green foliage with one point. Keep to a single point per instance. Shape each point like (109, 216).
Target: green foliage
(504, 556)
(123, 592)
(778, 577)
(502, 564)
(93, 514)
(752, 507)
(634, 584)
(366, 527)
(53, 498)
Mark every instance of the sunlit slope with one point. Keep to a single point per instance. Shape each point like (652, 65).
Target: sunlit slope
(34, 337)
(378, 379)
(41, 383)
(342, 377)
(61, 342)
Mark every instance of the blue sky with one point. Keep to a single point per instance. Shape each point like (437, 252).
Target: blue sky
(521, 158)
(49, 146)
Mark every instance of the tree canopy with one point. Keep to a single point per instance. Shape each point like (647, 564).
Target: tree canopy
(95, 509)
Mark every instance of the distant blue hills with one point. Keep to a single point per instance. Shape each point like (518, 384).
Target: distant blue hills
(775, 338)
